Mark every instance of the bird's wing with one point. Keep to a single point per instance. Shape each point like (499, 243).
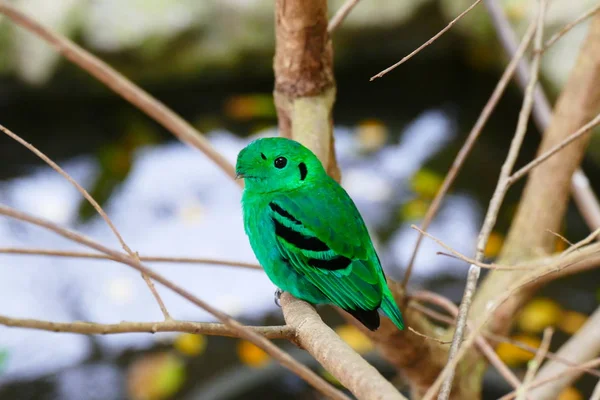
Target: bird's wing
(323, 237)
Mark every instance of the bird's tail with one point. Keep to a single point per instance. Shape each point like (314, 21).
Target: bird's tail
(389, 307)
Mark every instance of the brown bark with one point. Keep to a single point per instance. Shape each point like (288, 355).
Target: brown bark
(547, 191)
(304, 83)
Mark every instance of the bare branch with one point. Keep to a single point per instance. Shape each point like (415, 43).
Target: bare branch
(534, 364)
(284, 358)
(498, 338)
(496, 202)
(353, 371)
(464, 258)
(549, 153)
(519, 284)
(94, 256)
(156, 296)
(564, 374)
(580, 348)
(341, 14)
(584, 197)
(482, 343)
(94, 204)
(469, 143)
(590, 238)
(120, 85)
(427, 43)
(565, 29)
(410, 328)
(91, 328)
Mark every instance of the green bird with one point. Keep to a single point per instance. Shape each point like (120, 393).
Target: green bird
(307, 233)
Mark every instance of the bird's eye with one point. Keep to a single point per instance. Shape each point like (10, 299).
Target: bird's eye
(280, 162)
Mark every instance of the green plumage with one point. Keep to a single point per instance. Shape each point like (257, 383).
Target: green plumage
(307, 233)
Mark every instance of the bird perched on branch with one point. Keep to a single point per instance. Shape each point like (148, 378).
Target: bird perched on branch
(307, 233)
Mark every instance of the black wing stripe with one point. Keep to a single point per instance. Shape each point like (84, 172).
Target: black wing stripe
(298, 239)
(283, 213)
(333, 264)
(303, 171)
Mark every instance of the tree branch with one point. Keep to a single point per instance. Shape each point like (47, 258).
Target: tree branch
(555, 149)
(341, 14)
(580, 348)
(546, 193)
(353, 371)
(534, 364)
(493, 306)
(496, 201)
(565, 29)
(468, 145)
(91, 328)
(284, 358)
(95, 256)
(584, 197)
(94, 204)
(427, 43)
(539, 382)
(120, 85)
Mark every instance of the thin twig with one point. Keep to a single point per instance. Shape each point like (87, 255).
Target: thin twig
(429, 337)
(583, 194)
(530, 278)
(156, 296)
(120, 85)
(587, 240)
(427, 43)
(583, 346)
(462, 257)
(341, 14)
(495, 203)
(570, 26)
(352, 370)
(283, 357)
(534, 364)
(94, 204)
(561, 237)
(498, 338)
(91, 328)
(468, 145)
(555, 149)
(482, 343)
(94, 256)
(539, 382)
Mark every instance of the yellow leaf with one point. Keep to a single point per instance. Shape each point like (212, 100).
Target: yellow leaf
(539, 314)
(494, 244)
(513, 355)
(190, 344)
(246, 107)
(155, 377)
(572, 321)
(570, 393)
(252, 355)
(414, 209)
(426, 183)
(372, 134)
(355, 338)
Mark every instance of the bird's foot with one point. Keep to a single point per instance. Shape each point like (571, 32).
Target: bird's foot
(277, 298)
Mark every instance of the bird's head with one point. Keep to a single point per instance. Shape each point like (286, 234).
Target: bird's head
(277, 164)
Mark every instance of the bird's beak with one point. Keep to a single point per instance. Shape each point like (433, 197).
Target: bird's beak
(239, 175)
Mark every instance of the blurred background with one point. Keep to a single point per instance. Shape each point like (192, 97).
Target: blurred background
(211, 61)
